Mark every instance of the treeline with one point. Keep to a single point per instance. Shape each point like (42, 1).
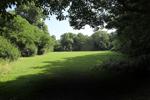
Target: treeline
(100, 40)
(25, 34)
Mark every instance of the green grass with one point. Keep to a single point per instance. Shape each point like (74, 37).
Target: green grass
(66, 62)
(62, 76)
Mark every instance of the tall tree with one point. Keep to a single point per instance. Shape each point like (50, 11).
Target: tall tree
(101, 40)
(67, 40)
(34, 15)
(79, 42)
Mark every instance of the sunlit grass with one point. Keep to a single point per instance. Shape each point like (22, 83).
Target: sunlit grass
(37, 64)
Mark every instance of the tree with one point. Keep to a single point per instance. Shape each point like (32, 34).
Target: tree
(30, 12)
(34, 15)
(45, 44)
(58, 46)
(79, 41)
(101, 40)
(28, 38)
(67, 40)
(89, 45)
(129, 17)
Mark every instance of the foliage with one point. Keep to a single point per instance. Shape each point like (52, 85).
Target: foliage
(67, 40)
(58, 46)
(45, 44)
(79, 41)
(115, 43)
(89, 44)
(101, 40)
(29, 50)
(7, 50)
(34, 15)
(127, 65)
(28, 38)
(30, 12)
(129, 17)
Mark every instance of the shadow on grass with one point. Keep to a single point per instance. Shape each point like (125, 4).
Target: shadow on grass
(70, 79)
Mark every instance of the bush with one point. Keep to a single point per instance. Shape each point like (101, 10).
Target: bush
(132, 65)
(7, 50)
(28, 38)
(45, 44)
(29, 50)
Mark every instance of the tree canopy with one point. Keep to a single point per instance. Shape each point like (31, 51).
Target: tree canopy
(129, 17)
(99, 40)
(28, 38)
(82, 12)
(34, 15)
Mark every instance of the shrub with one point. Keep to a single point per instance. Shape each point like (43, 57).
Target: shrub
(7, 50)
(28, 38)
(29, 50)
(45, 44)
(132, 65)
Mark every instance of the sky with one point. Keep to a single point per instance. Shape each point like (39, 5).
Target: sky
(57, 28)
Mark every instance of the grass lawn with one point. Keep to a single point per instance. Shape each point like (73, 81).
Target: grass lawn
(66, 76)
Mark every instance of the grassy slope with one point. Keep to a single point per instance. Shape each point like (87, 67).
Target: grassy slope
(63, 76)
